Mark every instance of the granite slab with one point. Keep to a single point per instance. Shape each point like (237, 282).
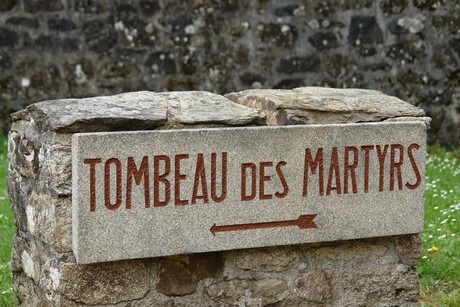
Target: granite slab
(158, 193)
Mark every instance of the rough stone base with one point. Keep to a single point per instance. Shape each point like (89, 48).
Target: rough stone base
(371, 272)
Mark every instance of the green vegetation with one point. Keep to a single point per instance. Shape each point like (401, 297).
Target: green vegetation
(440, 263)
(7, 230)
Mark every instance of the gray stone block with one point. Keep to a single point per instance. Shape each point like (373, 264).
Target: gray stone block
(137, 111)
(148, 194)
(317, 105)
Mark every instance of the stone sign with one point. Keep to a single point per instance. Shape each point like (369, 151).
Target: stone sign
(157, 193)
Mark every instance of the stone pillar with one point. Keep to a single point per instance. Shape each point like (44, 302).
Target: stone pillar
(358, 272)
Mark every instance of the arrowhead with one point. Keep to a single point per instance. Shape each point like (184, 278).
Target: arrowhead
(213, 229)
(306, 221)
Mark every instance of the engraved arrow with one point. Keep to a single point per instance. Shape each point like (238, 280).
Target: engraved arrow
(303, 222)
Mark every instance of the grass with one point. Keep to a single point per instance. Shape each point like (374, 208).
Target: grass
(7, 230)
(440, 264)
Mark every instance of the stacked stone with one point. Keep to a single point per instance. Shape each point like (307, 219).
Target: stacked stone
(80, 48)
(360, 272)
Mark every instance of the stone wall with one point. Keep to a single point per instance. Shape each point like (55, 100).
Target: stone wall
(368, 272)
(79, 48)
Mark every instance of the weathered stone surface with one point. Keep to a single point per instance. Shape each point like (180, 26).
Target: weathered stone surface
(178, 275)
(274, 259)
(277, 34)
(299, 64)
(18, 247)
(49, 220)
(424, 119)
(161, 63)
(314, 105)
(61, 24)
(414, 24)
(409, 249)
(430, 5)
(249, 292)
(23, 21)
(149, 7)
(27, 292)
(364, 30)
(36, 262)
(34, 6)
(107, 283)
(192, 108)
(138, 111)
(8, 38)
(208, 265)
(175, 279)
(131, 111)
(25, 155)
(393, 6)
(183, 210)
(56, 166)
(94, 7)
(7, 5)
(39, 184)
(317, 286)
(324, 41)
(94, 28)
(20, 175)
(372, 250)
(394, 284)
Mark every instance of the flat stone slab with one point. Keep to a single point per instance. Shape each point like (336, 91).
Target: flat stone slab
(317, 105)
(158, 193)
(138, 111)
